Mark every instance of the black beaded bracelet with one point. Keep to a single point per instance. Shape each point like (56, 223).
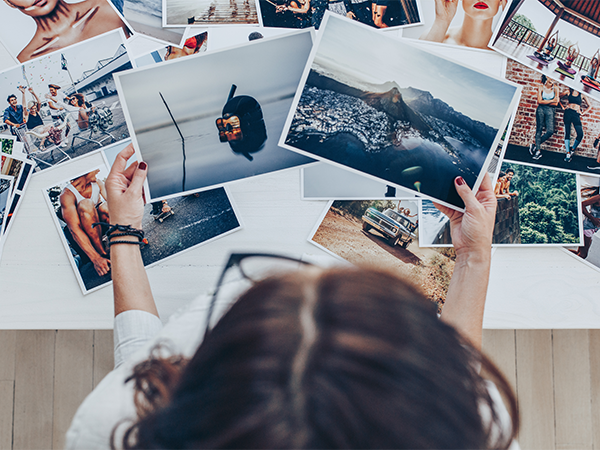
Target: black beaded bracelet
(111, 243)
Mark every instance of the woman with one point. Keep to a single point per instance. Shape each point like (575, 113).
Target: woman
(60, 24)
(308, 359)
(82, 107)
(572, 116)
(548, 97)
(191, 47)
(591, 221)
(476, 29)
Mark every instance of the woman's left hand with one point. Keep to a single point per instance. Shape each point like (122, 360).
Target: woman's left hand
(124, 190)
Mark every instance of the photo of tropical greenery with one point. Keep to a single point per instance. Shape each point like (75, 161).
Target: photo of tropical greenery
(548, 207)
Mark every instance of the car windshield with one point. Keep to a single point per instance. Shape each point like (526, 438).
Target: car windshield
(397, 217)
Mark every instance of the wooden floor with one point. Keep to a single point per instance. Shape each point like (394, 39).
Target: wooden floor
(44, 376)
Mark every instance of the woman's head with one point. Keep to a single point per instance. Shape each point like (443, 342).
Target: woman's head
(78, 100)
(33, 107)
(336, 358)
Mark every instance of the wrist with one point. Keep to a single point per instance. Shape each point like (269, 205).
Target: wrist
(474, 258)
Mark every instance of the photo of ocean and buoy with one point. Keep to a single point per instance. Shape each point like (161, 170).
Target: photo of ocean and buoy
(199, 135)
(392, 111)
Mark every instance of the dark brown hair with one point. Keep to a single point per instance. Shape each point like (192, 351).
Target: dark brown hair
(339, 358)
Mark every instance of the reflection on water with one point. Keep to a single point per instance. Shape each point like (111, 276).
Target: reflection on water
(209, 161)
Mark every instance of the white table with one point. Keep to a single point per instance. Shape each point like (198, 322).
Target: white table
(529, 287)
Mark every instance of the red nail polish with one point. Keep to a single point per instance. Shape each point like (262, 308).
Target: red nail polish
(144, 166)
(460, 181)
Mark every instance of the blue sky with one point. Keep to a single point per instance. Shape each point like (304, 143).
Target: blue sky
(370, 56)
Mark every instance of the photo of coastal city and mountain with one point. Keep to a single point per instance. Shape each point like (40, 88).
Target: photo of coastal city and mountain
(387, 109)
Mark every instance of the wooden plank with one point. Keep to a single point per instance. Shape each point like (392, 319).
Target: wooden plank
(572, 390)
(6, 412)
(595, 384)
(7, 355)
(535, 384)
(104, 360)
(73, 368)
(34, 386)
(499, 346)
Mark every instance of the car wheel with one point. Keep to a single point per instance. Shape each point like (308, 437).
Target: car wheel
(394, 241)
(406, 244)
(366, 226)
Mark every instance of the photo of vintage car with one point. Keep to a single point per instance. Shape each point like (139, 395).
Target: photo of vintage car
(394, 226)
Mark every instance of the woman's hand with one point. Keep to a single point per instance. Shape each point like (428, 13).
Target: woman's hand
(472, 230)
(445, 10)
(124, 190)
(472, 238)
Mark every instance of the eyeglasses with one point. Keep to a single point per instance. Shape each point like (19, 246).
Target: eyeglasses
(249, 267)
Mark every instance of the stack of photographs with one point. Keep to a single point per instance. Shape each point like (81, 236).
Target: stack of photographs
(381, 104)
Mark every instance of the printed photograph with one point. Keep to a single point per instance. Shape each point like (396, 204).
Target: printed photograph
(383, 14)
(589, 189)
(30, 29)
(556, 38)
(193, 45)
(145, 17)
(555, 125)
(7, 143)
(21, 181)
(468, 23)
(322, 181)
(178, 13)
(225, 37)
(536, 206)
(66, 105)
(10, 165)
(5, 189)
(6, 59)
(170, 227)
(223, 129)
(385, 234)
(392, 118)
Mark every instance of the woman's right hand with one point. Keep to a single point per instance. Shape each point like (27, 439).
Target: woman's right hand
(124, 190)
(445, 10)
(472, 230)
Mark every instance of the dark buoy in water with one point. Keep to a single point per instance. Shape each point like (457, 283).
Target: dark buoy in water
(242, 124)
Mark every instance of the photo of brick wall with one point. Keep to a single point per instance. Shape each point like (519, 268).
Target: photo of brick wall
(553, 151)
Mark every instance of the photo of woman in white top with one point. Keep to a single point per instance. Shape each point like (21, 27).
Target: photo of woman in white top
(548, 97)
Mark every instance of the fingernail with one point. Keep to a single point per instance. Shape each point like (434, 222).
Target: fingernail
(459, 180)
(144, 166)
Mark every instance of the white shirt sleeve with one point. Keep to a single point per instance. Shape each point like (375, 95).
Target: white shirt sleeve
(133, 329)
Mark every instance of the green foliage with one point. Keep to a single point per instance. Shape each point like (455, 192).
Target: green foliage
(7, 146)
(524, 20)
(358, 208)
(529, 236)
(547, 204)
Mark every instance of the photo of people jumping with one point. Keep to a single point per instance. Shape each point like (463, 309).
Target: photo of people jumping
(65, 105)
